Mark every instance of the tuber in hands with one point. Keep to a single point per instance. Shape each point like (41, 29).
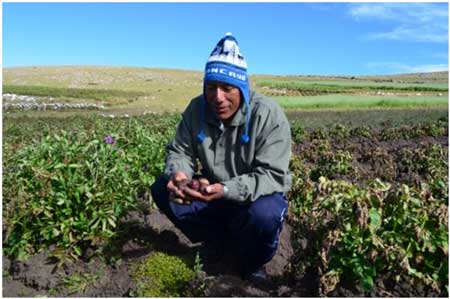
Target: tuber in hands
(197, 184)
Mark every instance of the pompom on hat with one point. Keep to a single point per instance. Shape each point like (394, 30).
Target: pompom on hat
(226, 64)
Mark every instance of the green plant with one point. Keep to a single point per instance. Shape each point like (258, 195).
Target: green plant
(430, 128)
(70, 188)
(301, 186)
(355, 234)
(298, 132)
(162, 275)
(318, 148)
(332, 164)
(339, 132)
(66, 193)
(383, 163)
(198, 266)
(79, 282)
(390, 134)
(319, 133)
(339, 86)
(430, 162)
(362, 131)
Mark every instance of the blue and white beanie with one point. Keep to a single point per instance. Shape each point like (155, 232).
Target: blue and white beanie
(227, 64)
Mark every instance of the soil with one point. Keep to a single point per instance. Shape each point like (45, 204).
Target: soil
(39, 276)
(374, 158)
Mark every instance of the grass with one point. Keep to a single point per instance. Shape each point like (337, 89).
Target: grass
(137, 91)
(79, 282)
(358, 84)
(358, 102)
(411, 78)
(77, 93)
(336, 86)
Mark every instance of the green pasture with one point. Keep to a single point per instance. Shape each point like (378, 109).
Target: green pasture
(130, 102)
(350, 86)
(356, 84)
(361, 101)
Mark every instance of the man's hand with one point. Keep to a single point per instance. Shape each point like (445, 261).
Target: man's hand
(176, 184)
(183, 191)
(210, 193)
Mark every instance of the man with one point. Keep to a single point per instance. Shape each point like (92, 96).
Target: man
(242, 142)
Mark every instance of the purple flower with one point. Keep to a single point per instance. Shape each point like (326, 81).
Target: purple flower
(109, 140)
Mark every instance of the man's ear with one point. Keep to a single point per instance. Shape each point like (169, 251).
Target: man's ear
(241, 100)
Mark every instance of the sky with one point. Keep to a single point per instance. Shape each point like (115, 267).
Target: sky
(275, 38)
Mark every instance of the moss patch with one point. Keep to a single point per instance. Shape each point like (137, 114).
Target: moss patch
(162, 275)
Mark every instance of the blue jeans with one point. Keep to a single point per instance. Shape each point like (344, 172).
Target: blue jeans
(251, 229)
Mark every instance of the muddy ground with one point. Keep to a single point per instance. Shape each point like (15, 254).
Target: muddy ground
(150, 233)
(375, 158)
(147, 234)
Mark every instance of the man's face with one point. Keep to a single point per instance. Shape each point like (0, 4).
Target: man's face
(223, 99)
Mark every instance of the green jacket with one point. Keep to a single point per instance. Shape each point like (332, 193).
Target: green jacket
(250, 170)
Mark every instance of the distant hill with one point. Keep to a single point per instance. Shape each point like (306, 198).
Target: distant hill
(133, 87)
(142, 78)
(421, 78)
(138, 88)
(433, 77)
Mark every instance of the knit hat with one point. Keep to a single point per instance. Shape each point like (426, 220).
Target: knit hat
(227, 65)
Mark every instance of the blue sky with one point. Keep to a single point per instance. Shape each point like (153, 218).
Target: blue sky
(275, 38)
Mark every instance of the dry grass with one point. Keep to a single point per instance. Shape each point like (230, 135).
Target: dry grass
(164, 89)
(160, 90)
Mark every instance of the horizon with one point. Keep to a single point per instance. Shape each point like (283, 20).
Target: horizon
(283, 39)
(201, 71)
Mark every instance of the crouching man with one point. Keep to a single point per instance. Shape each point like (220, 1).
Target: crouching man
(242, 141)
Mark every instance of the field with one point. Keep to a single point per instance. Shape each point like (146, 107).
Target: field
(368, 208)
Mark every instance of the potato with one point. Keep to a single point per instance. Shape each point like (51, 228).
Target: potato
(203, 184)
(194, 184)
(182, 184)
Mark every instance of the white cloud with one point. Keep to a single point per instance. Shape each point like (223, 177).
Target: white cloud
(392, 67)
(427, 68)
(322, 6)
(419, 22)
(419, 34)
(401, 12)
(440, 55)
